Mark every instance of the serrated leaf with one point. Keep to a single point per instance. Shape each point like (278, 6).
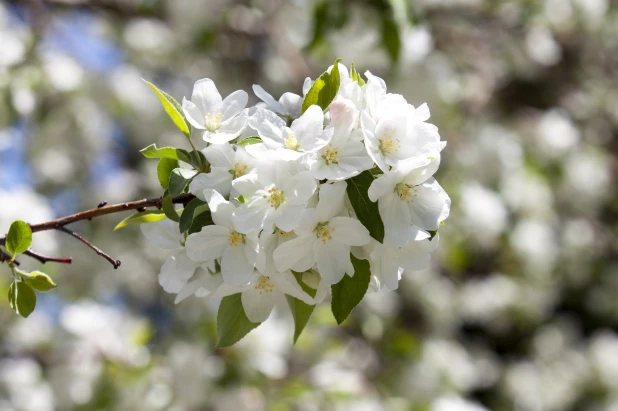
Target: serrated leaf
(172, 108)
(324, 89)
(164, 169)
(366, 211)
(201, 218)
(142, 217)
(19, 238)
(179, 178)
(250, 140)
(168, 208)
(186, 218)
(232, 322)
(301, 312)
(22, 298)
(38, 280)
(348, 292)
(390, 37)
(152, 151)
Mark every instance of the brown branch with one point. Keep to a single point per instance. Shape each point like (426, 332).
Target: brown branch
(115, 263)
(4, 257)
(45, 259)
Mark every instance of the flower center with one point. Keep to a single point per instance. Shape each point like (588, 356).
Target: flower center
(275, 197)
(388, 145)
(290, 142)
(330, 155)
(323, 232)
(264, 285)
(239, 170)
(405, 191)
(235, 239)
(213, 122)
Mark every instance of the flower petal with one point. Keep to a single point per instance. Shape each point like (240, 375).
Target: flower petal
(218, 179)
(331, 200)
(333, 259)
(431, 205)
(193, 113)
(258, 303)
(176, 271)
(220, 208)
(288, 254)
(234, 104)
(220, 155)
(287, 284)
(208, 244)
(395, 215)
(206, 96)
(235, 268)
(349, 231)
(163, 234)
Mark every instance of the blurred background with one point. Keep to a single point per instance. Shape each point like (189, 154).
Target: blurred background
(520, 308)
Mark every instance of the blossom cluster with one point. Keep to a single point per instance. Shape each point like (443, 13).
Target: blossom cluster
(301, 190)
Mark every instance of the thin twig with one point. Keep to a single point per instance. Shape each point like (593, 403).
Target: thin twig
(115, 263)
(45, 259)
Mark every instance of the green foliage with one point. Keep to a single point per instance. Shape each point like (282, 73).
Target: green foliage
(201, 218)
(348, 292)
(172, 108)
(22, 298)
(186, 218)
(390, 38)
(366, 210)
(324, 89)
(164, 169)
(300, 310)
(148, 216)
(19, 238)
(152, 151)
(355, 75)
(179, 179)
(232, 322)
(250, 140)
(38, 280)
(168, 208)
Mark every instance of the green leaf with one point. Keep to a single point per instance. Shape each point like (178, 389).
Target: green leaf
(320, 24)
(172, 108)
(250, 140)
(19, 238)
(201, 218)
(324, 89)
(22, 298)
(179, 178)
(152, 151)
(348, 292)
(300, 310)
(186, 218)
(356, 76)
(366, 210)
(168, 208)
(390, 37)
(232, 322)
(432, 234)
(198, 160)
(38, 280)
(164, 169)
(148, 216)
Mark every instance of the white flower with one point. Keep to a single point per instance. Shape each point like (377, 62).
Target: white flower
(273, 195)
(239, 252)
(178, 268)
(305, 135)
(324, 238)
(221, 120)
(407, 196)
(388, 264)
(289, 104)
(345, 156)
(225, 166)
(399, 135)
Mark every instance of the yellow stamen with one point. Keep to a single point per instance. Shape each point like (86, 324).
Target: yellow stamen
(239, 170)
(290, 142)
(388, 145)
(235, 239)
(264, 285)
(331, 156)
(275, 197)
(212, 123)
(323, 232)
(405, 191)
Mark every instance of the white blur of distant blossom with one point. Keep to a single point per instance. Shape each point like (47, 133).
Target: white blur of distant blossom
(294, 183)
(26, 205)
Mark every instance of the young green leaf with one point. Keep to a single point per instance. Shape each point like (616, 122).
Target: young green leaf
(250, 140)
(19, 238)
(179, 178)
(164, 169)
(186, 218)
(152, 151)
(324, 89)
(300, 311)
(148, 216)
(366, 210)
(22, 298)
(38, 280)
(201, 218)
(232, 322)
(348, 292)
(172, 108)
(355, 75)
(168, 208)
